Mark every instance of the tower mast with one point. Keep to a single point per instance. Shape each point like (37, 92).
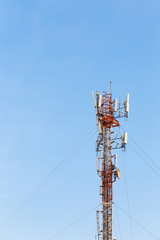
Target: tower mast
(107, 113)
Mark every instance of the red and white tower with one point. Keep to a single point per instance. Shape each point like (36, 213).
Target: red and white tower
(107, 113)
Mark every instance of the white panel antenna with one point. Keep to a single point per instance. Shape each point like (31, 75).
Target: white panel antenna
(118, 173)
(115, 105)
(100, 190)
(125, 137)
(115, 161)
(100, 128)
(127, 105)
(100, 99)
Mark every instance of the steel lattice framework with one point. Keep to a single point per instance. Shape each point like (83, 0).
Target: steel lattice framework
(107, 113)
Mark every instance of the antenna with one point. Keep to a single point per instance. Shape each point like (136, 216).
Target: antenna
(118, 173)
(99, 126)
(127, 105)
(115, 160)
(125, 137)
(99, 102)
(115, 105)
(94, 99)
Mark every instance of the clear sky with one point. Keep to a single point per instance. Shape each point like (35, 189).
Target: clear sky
(52, 54)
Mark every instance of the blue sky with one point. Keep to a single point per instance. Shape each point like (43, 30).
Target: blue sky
(52, 54)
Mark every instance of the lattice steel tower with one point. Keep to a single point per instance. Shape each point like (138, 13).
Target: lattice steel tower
(107, 113)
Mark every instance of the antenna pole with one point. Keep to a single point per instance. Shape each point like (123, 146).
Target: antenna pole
(107, 141)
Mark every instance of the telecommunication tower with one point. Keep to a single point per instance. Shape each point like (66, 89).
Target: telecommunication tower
(107, 113)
